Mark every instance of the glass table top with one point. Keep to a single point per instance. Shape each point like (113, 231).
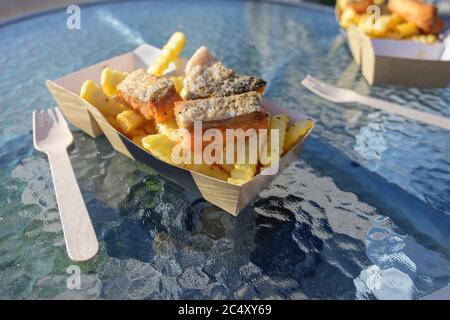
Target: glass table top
(364, 213)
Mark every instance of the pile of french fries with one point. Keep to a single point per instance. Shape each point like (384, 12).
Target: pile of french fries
(160, 138)
(387, 25)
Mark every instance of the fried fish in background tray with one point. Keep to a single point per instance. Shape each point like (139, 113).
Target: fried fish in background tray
(360, 6)
(421, 14)
(206, 77)
(153, 97)
(242, 111)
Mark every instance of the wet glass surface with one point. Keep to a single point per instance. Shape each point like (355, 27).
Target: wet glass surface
(364, 213)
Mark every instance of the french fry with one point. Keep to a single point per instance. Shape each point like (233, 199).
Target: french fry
(250, 168)
(129, 120)
(394, 21)
(92, 93)
(178, 82)
(160, 146)
(213, 171)
(376, 27)
(135, 132)
(236, 181)
(348, 18)
(298, 130)
(170, 53)
(407, 29)
(280, 122)
(110, 79)
(168, 128)
(365, 23)
(149, 127)
(393, 34)
(183, 93)
(138, 140)
(380, 27)
(245, 173)
(112, 121)
(431, 38)
(227, 167)
(240, 176)
(425, 38)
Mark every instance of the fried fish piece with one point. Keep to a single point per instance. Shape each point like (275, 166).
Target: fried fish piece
(238, 113)
(421, 14)
(153, 97)
(242, 111)
(360, 6)
(206, 77)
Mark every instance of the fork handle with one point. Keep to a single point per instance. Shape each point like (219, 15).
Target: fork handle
(81, 241)
(406, 112)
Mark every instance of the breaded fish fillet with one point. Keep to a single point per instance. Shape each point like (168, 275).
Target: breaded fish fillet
(242, 111)
(206, 77)
(360, 6)
(421, 14)
(153, 97)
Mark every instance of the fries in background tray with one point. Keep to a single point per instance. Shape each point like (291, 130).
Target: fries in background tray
(399, 19)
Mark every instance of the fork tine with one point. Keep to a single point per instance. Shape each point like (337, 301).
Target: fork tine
(311, 84)
(319, 90)
(35, 120)
(43, 118)
(316, 81)
(326, 85)
(316, 89)
(307, 83)
(59, 116)
(310, 77)
(322, 84)
(51, 115)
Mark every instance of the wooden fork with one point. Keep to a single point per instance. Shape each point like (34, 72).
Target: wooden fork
(340, 95)
(52, 136)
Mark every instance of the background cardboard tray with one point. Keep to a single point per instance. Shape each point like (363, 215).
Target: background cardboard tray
(399, 62)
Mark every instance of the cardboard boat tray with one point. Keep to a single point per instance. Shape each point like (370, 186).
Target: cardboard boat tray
(229, 197)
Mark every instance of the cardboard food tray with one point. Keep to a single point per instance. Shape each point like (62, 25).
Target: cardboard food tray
(229, 197)
(400, 62)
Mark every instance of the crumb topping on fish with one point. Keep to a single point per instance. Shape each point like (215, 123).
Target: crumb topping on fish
(207, 77)
(217, 109)
(146, 87)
